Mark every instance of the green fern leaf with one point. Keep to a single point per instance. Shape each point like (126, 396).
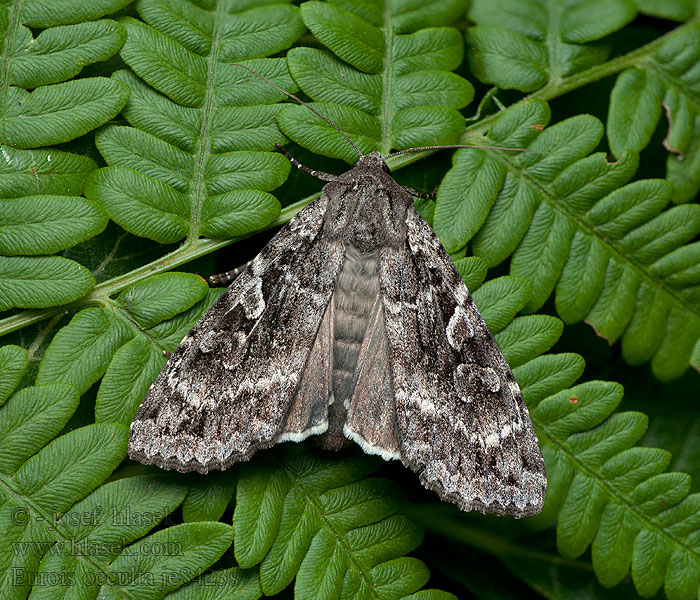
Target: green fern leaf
(608, 493)
(666, 79)
(192, 164)
(39, 487)
(615, 498)
(51, 172)
(52, 114)
(196, 546)
(161, 297)
(37, 13)
(13, 365)
(459, 220)
(80, 352)
(58, 113)
(33, 416)
(59, 53)
(677, 10)
(47, 224)
(611, 254)
(472, 270)
(322, 520)
(221, 585)
(394, 88)
(32, 224)
(51, 523)
(499, 300)
(41, 281)
(208, 497)
(525, 45)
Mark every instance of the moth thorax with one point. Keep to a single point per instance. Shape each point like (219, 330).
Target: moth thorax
(370, 226)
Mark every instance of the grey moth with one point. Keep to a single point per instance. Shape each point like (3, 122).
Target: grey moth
(351, 324)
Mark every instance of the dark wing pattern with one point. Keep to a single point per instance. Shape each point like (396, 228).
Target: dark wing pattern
(230, 386)
(461, 420)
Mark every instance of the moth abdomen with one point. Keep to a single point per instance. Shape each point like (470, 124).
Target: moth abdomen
(354, 299)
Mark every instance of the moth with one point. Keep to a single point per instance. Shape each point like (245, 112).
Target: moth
(351, 324)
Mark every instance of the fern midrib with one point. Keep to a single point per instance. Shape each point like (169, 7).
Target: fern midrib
(611, 245)
(387, 80)
(125, 316)
(553, 40)
(204, 151)
(614, 494)
(339, 535)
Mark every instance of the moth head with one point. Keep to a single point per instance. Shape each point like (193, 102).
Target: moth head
(373, 160)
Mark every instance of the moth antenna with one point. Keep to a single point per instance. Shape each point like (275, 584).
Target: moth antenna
(300, 101)
(458, 146)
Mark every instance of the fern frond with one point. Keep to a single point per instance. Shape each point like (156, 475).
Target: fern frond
(609, 251)
(192, 162)
(39, 485)
(525, 45)
(61, 536)
(389, 84)
(126, 341)
(615, 497)
(54, 111)
(324, 521)
(52, 114)
(603, 491)
(667, 81)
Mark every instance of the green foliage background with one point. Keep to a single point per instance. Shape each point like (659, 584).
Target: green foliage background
(136, 158)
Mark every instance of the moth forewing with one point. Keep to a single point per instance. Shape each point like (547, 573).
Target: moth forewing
(351, 324)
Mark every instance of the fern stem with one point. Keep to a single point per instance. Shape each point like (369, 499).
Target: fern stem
(203, 152)
(387, 80)
(554, 89)
(101, 292)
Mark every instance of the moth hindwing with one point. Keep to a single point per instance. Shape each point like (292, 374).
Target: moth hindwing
(351, 324)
